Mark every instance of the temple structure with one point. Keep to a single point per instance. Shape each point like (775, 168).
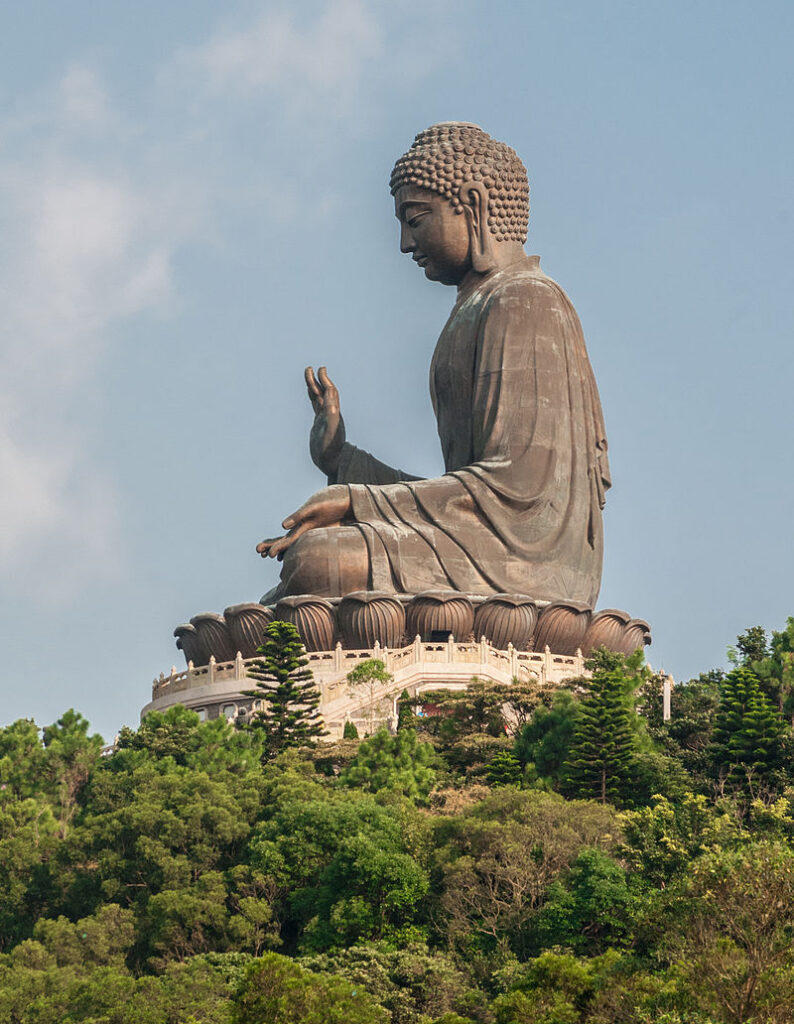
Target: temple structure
(491, 569)
(552, 643)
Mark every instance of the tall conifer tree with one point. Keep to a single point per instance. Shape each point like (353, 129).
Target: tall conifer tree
(286, 687)
(747, 738)
(603, 751)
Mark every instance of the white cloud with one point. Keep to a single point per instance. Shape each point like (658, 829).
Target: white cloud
(309, 63)
(85, 246)
(83, 99)
(58, 518)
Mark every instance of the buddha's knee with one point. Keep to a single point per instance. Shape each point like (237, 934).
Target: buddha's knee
(305, 552)
(329, 562)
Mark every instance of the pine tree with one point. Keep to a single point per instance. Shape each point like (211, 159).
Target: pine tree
(604, 746)
(504, 769)
(746, 744)
(286, 687)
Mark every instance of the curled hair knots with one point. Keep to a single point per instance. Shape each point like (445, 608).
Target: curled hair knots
(445, 155)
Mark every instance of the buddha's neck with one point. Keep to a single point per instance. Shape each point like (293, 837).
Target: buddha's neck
(505, 254)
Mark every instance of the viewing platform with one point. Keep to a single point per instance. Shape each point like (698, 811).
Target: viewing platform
(218, 688)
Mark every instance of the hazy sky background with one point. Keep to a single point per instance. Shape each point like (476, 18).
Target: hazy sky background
(194, 205)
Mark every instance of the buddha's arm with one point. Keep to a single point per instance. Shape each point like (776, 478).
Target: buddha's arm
(359, 467)
(342, 462)
(520, 414)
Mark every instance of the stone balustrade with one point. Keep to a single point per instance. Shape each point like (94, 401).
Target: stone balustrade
(417, 667)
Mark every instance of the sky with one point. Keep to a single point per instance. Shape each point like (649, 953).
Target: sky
(194, 206)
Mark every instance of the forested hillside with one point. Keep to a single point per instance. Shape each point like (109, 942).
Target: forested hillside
(509, 856)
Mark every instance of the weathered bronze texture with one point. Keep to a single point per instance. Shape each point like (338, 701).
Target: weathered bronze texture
(607, 629)
(507, 618)
(312, 616)
(368, 616)
(441, 612)
(617, 631)
(519, 417)
(188, 642)
(247, 624)
(562, 626)
(214, 635)
(638, 634)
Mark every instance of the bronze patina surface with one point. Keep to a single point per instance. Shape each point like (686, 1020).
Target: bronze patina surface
(518, 509)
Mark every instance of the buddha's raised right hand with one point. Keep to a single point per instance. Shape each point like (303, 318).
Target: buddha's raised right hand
(328, 431)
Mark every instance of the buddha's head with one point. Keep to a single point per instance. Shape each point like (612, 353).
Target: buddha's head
(462, 200)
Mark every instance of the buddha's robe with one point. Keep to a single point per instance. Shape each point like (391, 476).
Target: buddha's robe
(518, 509)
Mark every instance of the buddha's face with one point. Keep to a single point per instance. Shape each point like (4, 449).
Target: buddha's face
(436, 236)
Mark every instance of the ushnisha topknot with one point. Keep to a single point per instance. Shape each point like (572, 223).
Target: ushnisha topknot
(445, 155)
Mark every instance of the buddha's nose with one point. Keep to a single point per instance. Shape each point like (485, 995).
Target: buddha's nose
(407, 243)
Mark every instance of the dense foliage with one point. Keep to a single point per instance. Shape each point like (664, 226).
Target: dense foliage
(532, 857)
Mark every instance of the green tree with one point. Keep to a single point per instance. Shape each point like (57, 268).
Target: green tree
(179, 736)
(401, 763)
(477, 709)
(589, 909)
(28, 843)
(71, 755)
(350, 731)
(776, 669)
(687, 735)
(504, 769)
(660, 841)
(406, 717)
(730, 933)
(413, 982)
(42, 984)
(746, 749)
(286, 686)
(22, 761)
(171, 733)
(752, 645)
(368, 676)
(276, 990)
(349, 866)
(498, 859)
(167, 840)
(602, 761)
(218, 912)
(545, 741)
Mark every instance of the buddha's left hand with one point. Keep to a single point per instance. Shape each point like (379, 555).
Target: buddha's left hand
(328, 507)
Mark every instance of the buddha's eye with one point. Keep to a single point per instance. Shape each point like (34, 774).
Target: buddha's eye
(412, 221)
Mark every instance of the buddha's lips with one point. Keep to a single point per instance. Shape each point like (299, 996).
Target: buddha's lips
(421, 260)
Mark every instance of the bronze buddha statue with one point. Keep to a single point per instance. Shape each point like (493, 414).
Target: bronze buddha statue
(518, 509)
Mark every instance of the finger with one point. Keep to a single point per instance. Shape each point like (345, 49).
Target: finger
(296, 518)
(300, 515)
(315, 397)
(325, 381)
(265, 545)
(281, 545)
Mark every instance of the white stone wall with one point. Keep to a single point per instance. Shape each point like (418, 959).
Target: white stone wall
(416, 668)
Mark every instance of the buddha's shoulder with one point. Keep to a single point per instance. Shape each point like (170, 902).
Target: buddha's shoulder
(525, 282)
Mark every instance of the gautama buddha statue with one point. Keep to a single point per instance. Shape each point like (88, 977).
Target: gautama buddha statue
(518, 508)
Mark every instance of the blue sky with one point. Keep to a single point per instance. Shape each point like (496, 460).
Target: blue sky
(194, 206)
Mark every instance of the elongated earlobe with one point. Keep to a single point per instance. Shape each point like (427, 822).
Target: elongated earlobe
(474, 198)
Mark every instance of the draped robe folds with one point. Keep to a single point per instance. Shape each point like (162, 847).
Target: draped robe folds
(518, 509)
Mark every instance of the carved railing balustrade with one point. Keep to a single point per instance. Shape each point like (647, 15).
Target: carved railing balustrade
(331, 667)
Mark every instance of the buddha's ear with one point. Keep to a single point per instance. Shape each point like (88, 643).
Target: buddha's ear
(474, 199)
